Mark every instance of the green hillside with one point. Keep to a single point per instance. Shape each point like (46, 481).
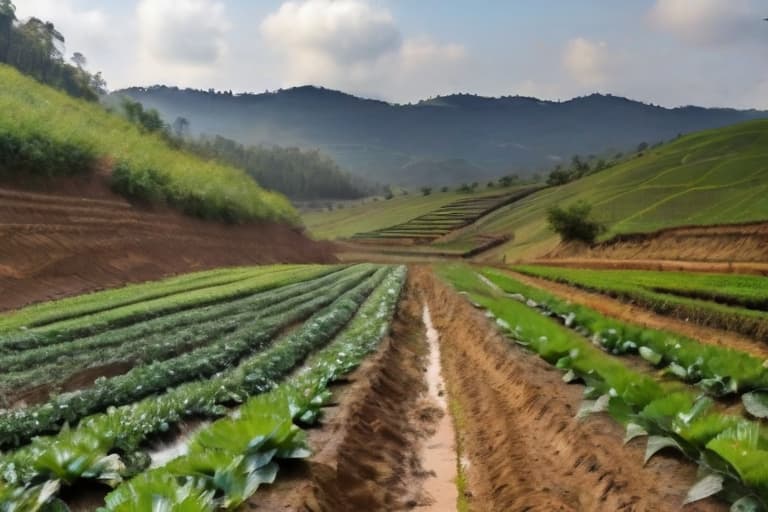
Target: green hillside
(44, 132)
(711, 177)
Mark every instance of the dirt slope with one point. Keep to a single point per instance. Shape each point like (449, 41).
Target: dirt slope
(725, 244)
(83, 238)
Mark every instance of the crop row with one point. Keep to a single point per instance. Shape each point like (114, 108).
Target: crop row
(90, 324)
(669, 297)
(157, 339)
(749, 291)
(716, 369)
(730, 450)
(20, 425)
(228, 461)
(106, 446)
(53, 311)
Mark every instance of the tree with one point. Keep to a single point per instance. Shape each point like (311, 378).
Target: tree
(79, 60)
(574, 223)
(559, 177)
(509, 180)
(181, 127)
(642, 147)
(7, 19)
(425, 191)
(445, 189)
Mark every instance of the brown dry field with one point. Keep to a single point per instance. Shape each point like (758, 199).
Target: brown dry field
(84, 238)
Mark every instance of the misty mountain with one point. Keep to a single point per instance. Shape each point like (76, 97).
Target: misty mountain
(445, 140)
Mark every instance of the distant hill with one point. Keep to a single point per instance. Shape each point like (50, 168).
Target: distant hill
(446, 140)
(711, 177)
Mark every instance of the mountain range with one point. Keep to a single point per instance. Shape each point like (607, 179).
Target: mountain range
(440, 141)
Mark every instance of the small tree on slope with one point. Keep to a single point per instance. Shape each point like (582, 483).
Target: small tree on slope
(574, 223)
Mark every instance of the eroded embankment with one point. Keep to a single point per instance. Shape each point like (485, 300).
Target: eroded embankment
(54, 245)
(518, 428)
(741, 248)
(370, 449)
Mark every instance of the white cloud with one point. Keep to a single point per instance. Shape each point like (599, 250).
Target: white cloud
(82, 28)
(355, 45)
(189, 33)
(712, 22)
(586, 61)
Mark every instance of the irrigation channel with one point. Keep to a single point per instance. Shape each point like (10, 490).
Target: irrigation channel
(439, 453)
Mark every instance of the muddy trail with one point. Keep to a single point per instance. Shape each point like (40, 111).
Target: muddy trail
(85, 238)
(525, 450)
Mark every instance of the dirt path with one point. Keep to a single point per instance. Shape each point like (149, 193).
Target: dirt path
(381, 447)
(640, 316)
(526, 450)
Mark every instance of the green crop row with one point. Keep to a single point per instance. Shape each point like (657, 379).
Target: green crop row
(106, 446)
(90, 324)
(51, 365)
(228, 461)
(718, 370)
(18, 426)
(621, 284)
(749, 291)
(44, 131)
(731, 451)
(65, 309)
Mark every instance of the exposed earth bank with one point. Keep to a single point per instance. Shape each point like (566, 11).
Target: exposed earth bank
(82, 238)
(741, 248)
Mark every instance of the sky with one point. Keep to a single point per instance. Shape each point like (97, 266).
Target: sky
(665, 52)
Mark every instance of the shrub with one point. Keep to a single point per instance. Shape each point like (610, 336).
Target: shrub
(425, 191)
(574, 224)
(35, 154)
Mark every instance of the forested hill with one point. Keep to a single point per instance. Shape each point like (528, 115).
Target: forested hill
(445, 140)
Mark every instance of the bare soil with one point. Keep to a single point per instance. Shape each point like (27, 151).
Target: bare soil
(729, 248)
(526, 450)
(82, 238)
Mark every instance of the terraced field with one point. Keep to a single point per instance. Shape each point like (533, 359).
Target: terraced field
(436, 224)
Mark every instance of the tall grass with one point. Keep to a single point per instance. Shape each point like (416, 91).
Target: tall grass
(46, 132)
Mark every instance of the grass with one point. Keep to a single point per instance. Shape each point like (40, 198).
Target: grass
(671, 293)
(43, 131)
(711, 177)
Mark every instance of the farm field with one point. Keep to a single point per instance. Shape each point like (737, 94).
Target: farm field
(234, 387)
(647, 380)
(266, 341)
